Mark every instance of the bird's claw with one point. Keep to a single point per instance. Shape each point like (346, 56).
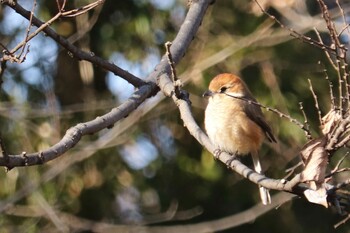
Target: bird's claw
(229, 161)
(217, 153)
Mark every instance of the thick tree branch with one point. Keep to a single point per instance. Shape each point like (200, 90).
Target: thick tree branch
(74, 134)
(167, 86)
(79, 54)
(182, 101)
(161, 77)
(236, 165)
(179, 46)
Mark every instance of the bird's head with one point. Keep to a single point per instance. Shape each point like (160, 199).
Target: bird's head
(227, 84)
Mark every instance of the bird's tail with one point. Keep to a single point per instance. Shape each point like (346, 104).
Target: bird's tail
(264, 192)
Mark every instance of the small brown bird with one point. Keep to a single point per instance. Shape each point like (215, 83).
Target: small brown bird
(235, 125)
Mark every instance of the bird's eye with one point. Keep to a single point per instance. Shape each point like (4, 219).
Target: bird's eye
(223, 89)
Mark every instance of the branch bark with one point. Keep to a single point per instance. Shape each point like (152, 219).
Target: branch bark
(147, 89)
(161, 76)
(74, 134)
(78, 54)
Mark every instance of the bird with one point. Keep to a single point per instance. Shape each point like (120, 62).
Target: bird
(235, 124)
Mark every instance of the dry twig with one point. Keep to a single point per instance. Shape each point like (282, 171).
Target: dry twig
(279, 113)
(317, 106)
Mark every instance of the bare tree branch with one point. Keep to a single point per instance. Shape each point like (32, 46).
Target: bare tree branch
(160, 80)
(77, 53)
(315, 152)
(74, 134)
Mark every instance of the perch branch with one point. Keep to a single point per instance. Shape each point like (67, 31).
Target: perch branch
(186, 115)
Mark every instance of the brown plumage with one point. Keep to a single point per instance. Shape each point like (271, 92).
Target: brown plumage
(235, 125)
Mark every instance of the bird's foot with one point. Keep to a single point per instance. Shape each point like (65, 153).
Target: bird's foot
(217, 153)
(229, 161)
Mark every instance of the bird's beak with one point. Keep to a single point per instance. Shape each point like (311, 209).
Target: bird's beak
(207, 94)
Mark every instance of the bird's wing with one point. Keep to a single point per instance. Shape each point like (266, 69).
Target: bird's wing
(255, 114)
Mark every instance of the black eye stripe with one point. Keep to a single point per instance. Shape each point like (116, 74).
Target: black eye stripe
(223, 89)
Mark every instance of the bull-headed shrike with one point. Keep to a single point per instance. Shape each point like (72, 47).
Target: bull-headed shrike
(234, 124)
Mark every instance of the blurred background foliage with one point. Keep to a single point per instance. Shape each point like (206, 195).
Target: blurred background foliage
(148, 164)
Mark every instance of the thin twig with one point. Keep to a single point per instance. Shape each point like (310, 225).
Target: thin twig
(316, 102)
(306, 123)
(73, 135)
(81, 10)
(342, 221)
(79, 54)
(36, 32)
(340, 162)
(2, 66)
(336, 169)
(345, 169)
(340, 51)
(342, 184)
(347, 84)
(343, 141)
(292, 169)
(340, 89)
(27, 34)
(330, 26)
(4, 152)
(346, 25)
(337, 132)
(296, 34)
(330, 85)
(60, 14)
(61, 8)
(279, 113)
(328, 56)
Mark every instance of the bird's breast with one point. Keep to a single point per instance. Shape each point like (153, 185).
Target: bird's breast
(229, 128)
